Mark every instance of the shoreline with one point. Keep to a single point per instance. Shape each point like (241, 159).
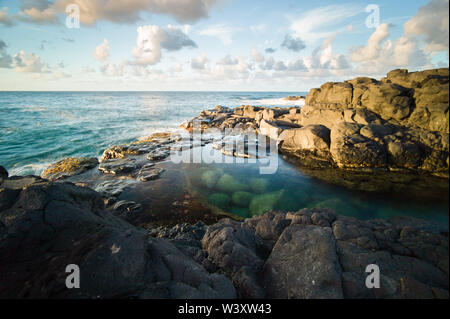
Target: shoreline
(117, 204)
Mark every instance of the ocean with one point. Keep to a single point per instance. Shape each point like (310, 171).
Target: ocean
(39, 128)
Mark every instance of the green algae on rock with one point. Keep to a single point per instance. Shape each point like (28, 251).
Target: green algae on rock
(220, 200)
(69, 167)
(229, 184)
(258, 185)
(242, 199)
(264, 203)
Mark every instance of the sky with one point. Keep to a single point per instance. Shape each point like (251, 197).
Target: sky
(214, 45)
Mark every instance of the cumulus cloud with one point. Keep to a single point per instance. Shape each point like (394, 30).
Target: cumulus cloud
(221, 31)
(381, 54)
(270, 50)
(112, 70)
(293, 43)
(431, 21)
(29, 63)
(228, 60)
(200, 63)
(152, 39)
(101, 53)
(257, 57)
(126, 11)
(5, 58)
(5, 19)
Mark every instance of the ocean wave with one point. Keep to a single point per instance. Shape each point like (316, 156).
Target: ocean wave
(29, 169)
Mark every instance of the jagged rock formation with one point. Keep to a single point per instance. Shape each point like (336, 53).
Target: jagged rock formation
(312, 253)
(46, 226)
(400, 123)
(315, 253)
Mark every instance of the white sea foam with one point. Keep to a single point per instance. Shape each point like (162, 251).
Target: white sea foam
(29, 169)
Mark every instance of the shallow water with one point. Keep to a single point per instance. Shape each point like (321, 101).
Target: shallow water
(241, 189)
(38, 128)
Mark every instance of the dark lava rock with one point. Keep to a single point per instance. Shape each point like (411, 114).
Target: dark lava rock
(3, 172)
(51, 225)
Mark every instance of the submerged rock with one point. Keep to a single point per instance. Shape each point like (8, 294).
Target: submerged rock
(263, 203)
(69, 167)
(258, 185)
(229, 184)
(209, 178)
(242, 199)
(220, 200)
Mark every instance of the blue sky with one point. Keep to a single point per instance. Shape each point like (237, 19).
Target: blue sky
(215, 44)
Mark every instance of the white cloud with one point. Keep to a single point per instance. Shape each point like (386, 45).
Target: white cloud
(200, 63)
(29, 63)
(431, 21)
(381, 54)
(5, 19)
(151, 39)
(126, 11)
(221, 31)
(257, 57)
(112, 70)
(228, 60)
(315, 24)
(101, 53)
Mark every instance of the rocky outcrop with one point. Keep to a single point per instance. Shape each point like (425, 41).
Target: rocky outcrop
(69, 167)
(312, 253)
(315, 253)
(46, 226)
(400, 123)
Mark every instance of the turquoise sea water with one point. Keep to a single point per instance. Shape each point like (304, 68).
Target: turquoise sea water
(38, 128)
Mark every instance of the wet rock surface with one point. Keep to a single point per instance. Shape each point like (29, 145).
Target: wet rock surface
(69, 167)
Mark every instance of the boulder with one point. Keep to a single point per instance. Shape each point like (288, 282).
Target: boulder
(236, 251)
(258, 185)
(69, 167)
(53, 225)
(242, 199)
(311, 138)
(229, 184)
(263, 203)
(304, 265)
(3, 172)
(350, 149)
(220, 200)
